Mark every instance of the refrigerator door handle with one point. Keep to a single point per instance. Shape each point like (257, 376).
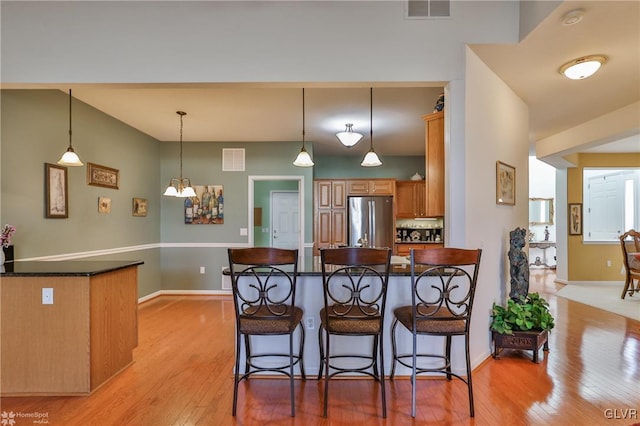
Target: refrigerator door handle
(372, 223)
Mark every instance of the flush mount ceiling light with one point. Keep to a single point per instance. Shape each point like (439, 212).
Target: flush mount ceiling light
(582, 67)
(70, 158)
(371, 159)
(180, 187)
(349, 138)
(303, 159)
(572, 17)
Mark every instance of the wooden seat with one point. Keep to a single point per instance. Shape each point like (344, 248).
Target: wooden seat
(263, 280)
(355, 292)
(443, 283)
(630, 243)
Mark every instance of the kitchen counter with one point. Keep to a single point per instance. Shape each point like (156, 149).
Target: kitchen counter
(67, 326)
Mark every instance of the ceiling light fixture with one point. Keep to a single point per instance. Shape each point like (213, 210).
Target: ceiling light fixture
(572, 17)
(371, 158)
(349, 138)
(180, 187)
(303, 159)
(584, 67)
(70, 158)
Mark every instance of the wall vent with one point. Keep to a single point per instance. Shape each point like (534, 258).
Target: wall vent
(428, 8)
(233, 160)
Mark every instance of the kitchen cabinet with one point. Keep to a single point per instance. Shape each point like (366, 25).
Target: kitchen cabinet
(434, 158)
(329, 214)
(410, 199)
(402, 249)
(371, 187)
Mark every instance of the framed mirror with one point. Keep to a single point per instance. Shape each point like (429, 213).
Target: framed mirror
(541, 211)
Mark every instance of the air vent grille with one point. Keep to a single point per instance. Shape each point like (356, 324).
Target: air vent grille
(428, 8)
(233, 160)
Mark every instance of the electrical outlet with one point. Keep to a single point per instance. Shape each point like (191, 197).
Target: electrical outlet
(47, 296)
(202, 269)
(310, 323)
(608, 264)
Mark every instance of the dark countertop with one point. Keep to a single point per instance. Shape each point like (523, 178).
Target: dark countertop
(65, 268)
(419, 242)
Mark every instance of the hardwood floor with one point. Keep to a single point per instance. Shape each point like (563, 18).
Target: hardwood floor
(182, 376)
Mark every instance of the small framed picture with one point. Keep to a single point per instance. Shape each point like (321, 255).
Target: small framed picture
(575, 218)
(103, 176)
(505, 184)
(56, 196)
(104, 205)
(139, 207)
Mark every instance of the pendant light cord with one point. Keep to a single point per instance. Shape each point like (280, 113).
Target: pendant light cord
(70, 118)
(181, 114)
(303, 131)
(371, 117)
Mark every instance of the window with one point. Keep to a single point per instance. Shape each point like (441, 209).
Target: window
(611, 199)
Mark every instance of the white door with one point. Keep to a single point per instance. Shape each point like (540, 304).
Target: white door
(285, 219)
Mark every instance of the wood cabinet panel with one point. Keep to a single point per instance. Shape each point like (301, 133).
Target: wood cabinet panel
(410, 199)
(434, 131)
(338, 194)
(403, 249)
(371, 187)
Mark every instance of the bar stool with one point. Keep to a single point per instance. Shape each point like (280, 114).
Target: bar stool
(355, 291)
(443, 282)
(263, 280)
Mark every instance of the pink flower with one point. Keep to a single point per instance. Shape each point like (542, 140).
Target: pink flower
(5, 235)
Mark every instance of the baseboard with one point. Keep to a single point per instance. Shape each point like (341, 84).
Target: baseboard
(183, 293)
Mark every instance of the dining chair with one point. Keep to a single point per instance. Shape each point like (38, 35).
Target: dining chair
(355, 282)
(443, 286)
(630, 243)
(263, 281)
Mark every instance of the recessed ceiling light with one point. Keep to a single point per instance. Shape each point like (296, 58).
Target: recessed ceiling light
(572, 17)
(582, 67)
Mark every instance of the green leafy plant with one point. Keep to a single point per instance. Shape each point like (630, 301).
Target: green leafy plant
(528, 313)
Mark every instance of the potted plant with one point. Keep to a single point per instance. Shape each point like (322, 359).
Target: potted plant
(524, 323)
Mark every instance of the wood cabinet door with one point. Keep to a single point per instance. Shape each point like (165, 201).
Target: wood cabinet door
(323, 194)
(323, 228)
(358, 187)
(381, 187)
(404, 199)
(435, 163)
(338, 194)
(339, 227)
(420, 198)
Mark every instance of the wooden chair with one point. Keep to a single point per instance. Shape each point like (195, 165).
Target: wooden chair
(630, 243)
(263, 280)
(355, 291)
(443, 282)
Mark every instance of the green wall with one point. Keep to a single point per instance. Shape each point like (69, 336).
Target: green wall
(34, 132)
(398, 167)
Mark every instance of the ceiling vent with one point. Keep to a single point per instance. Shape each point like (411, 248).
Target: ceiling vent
(428, 9)
(233, 160)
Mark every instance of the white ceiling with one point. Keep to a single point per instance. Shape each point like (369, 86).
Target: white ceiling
(260, 112)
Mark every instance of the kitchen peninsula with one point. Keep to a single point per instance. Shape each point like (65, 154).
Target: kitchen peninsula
(67, 326)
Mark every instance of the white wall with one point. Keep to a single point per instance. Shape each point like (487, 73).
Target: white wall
(496, 126)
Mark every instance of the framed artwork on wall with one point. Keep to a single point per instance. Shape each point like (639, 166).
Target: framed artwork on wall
(104, 205)
(56, 195)
(505, 184)
(575, 218)
(139, 207)
(103, 176)
(207, 207)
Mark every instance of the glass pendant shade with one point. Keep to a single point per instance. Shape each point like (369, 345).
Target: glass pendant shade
(349, 137)
(303, 159)
(70, 158)
(180, 187)
(581, 68)
(371, 159)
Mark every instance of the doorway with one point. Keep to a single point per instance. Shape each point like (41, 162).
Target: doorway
(285, 223)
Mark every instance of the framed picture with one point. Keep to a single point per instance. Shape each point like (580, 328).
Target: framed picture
(505, 184)
(575, 218)
(104, 205)
(106, 177)
(207, 207)
(139, 207)
(56, 196)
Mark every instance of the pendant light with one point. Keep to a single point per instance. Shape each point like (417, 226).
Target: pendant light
(303, 159)
(371, 158)
(180, 187)
(70, 158)
(349, 138)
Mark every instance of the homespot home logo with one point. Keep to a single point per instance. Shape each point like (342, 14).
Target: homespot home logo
(16, 418)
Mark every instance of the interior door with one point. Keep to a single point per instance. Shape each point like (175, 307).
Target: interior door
(285, 219)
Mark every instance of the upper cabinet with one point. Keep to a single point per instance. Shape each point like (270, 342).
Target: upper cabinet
(371, 186)
(330, 194)
(410, 199)
(434, 158)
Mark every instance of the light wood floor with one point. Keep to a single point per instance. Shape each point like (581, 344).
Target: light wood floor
(181, 376)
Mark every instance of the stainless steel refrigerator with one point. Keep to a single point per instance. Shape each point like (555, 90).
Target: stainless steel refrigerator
(371, 221)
